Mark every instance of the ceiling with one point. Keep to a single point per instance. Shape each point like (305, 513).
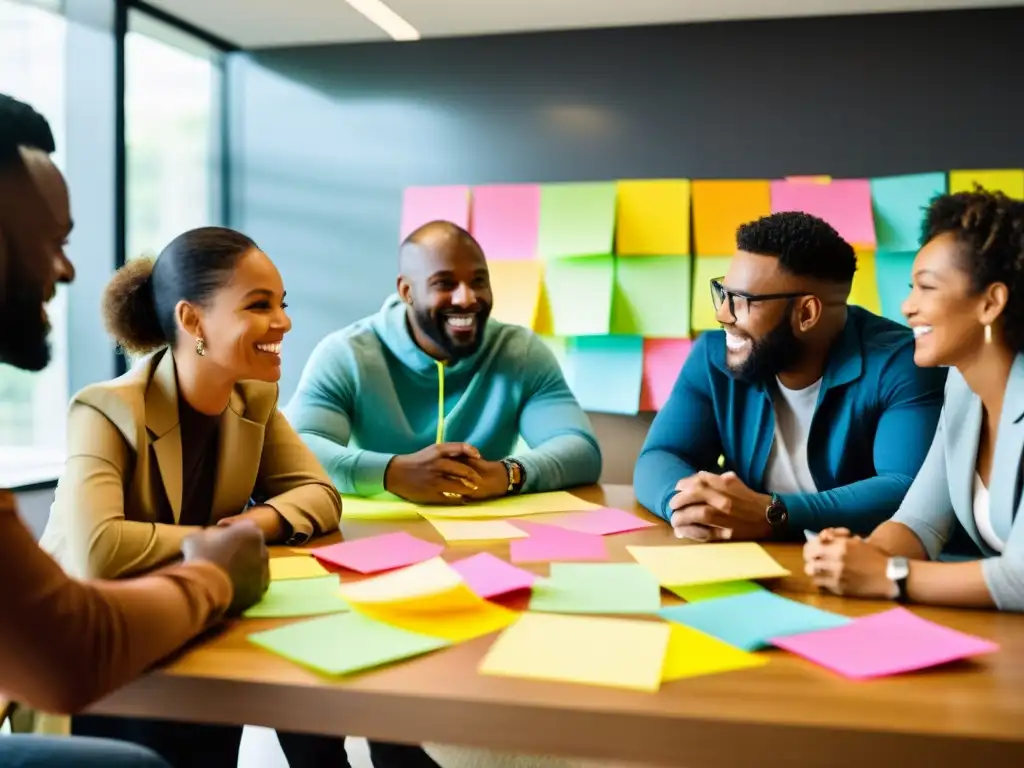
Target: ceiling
(262, 23)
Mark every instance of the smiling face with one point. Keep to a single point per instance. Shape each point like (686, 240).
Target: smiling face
(243, 323)
(35, 222)
(946, 313)
(446, 284)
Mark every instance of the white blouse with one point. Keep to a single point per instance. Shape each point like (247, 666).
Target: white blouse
(983, 516)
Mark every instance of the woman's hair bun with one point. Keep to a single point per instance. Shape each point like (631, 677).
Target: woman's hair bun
(129, 308)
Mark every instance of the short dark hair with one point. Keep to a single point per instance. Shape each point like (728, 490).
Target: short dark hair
(139, 301)
(990, 228)
(21, 126)
(804, 245)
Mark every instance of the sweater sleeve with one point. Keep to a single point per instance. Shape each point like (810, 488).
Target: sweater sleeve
(563, 451)
(65, 643)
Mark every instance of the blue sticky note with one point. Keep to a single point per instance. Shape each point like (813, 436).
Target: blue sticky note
(751, 620)
(606, 372)
(893, 272)
(899, 203)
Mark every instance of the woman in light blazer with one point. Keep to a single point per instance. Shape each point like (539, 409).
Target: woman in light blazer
(966, 307)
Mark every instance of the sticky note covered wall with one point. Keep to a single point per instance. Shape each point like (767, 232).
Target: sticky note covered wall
(614, 276)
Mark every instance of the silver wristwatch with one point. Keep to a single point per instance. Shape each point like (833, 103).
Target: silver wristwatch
(897, 570)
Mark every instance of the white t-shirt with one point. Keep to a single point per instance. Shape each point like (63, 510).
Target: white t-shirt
(787, 470)
(983, 516)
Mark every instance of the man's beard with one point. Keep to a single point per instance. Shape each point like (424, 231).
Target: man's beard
(433, 325)
(23, 330)
(776, 351)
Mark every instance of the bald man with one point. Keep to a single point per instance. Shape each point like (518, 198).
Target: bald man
(427, 399)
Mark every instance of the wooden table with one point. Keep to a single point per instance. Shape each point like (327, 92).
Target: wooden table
(787, 713)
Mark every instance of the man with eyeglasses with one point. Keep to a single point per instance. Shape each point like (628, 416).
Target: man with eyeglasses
(816, 407)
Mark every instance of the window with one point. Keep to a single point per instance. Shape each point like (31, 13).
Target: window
(172, 131)
(32, 429)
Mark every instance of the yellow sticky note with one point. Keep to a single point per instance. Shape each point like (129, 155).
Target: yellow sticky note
(864, 292)
(386, 506)
(653, 217)
(720, 206)
(477, 530)
(548, 646)
(295, 568)
(1009, 182)
(430, 598)
(681, 564)
(692, 653)
(513, 506)
(706, 268)
(516, 288)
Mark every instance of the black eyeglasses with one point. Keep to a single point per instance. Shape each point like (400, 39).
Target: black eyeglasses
(739, 302)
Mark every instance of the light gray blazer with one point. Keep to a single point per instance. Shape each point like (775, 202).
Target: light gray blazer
(943, 491)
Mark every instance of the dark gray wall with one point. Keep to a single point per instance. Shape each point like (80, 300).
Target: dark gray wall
(325, 138)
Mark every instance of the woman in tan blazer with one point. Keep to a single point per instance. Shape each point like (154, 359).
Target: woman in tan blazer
(190, 437)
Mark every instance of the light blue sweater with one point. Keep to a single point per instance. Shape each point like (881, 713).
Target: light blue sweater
(368, 392)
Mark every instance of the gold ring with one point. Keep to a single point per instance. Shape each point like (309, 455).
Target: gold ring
(450, 495)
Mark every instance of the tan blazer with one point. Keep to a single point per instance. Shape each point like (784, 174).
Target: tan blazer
(124, 460)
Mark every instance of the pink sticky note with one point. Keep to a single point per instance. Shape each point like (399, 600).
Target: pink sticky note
(490, 576)
(505, 220)
(844, 203)
(886, 643)
(378, 553)
(599, 522)
(548, 543)
(663, 360)
(423, 204)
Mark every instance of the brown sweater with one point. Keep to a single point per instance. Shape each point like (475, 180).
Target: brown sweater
(66, 643)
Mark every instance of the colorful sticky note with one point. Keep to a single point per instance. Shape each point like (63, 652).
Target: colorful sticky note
(691, 654)
(579, 295)
(886, 643)
(606, 373)
(694, 593)
(339, 645)
(663, 361)
(653, 217)
(899, 204)
(516, 287)
(548, 646)
(421, 205)
(683, 564)
(600, 522)
(505, 221)
(490, 576)
(383, 506)
(702, 313)
(514, 506)
(894, 273)
(548, 542)
(597, 588)
(864, 292)
(282, 568)
(576, 219)
(1009, 182)
(430, 598)
(477, 530)
(378, 553)
(844, 203)
(721, 206)
(652, 297)
(752, 620)
(299, 597)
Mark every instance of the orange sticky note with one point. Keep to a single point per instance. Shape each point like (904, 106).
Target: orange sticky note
(719, 207)
(516, 288)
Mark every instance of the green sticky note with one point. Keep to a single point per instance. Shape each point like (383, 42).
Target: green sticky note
(899, 203)
(350, 642)
(576, 219)
(697, 592)
(579, 293)
(893, 271)
(599, 588)
(652, 297)
(702, 310)
(606, 373)
(299, 597)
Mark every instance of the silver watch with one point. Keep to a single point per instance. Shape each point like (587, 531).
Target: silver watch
(897, 569)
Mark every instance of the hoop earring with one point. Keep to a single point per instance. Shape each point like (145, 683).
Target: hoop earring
(988, 334)
(200, 346)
